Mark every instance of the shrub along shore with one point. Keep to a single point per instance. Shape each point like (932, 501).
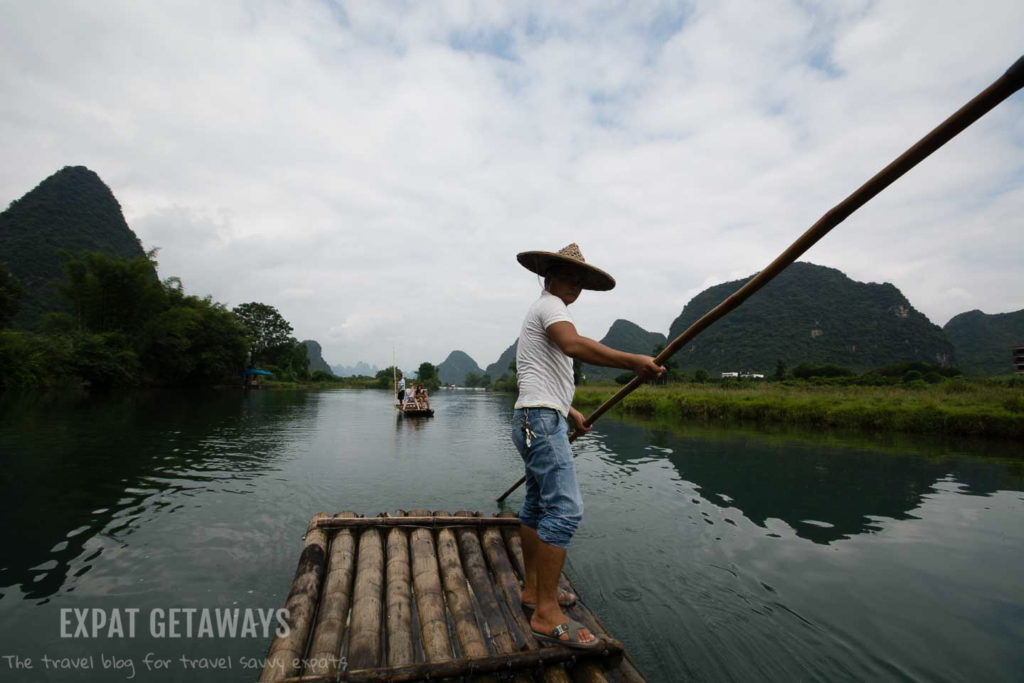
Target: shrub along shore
(959, 406)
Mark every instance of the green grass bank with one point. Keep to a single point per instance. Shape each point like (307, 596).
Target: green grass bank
(957, 407)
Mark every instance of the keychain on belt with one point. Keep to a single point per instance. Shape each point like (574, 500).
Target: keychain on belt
(526, 427)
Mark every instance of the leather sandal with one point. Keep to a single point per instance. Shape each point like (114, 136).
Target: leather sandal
(572, 627)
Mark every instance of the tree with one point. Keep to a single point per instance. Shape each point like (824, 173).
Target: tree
(385, 378)
(426, 372)
(110, 294)
(11, 292)
(426, 376)
(195, 341)
(700, 376)
(780, 370)
(267, 328)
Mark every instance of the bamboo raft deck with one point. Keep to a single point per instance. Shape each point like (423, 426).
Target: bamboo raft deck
(415, 412)
(418, 595)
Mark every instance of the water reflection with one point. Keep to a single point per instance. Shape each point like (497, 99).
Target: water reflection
(71, 472)
(824, 493)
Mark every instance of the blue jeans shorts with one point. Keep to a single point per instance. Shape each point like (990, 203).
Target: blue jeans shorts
(553, 505)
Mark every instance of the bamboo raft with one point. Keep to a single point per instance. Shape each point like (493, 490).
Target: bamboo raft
(407, 411)
(417, 595)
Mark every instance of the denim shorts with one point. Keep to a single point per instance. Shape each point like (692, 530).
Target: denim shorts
(553, 505)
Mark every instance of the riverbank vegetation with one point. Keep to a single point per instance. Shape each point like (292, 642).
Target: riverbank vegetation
(990, 408)
(117, 325)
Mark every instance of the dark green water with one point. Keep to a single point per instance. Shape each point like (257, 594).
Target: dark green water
(715, 555)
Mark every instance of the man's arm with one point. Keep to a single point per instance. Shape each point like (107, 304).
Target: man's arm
(589, 351)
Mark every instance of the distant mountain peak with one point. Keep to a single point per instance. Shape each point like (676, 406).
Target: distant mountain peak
(810, 314)
(456, 366)
(71, 211)
(624, 335)
(984, 342)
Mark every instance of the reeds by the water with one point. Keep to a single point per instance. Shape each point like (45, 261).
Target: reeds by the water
(953, 407)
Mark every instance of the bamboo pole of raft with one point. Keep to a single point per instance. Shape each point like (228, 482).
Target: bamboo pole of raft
(518, 661)
(285, 656)
(1006, 85)
(429, 598)
(584, 672)
(483, 588)
(325, 650)
(514, 541)
(494, 551)
(399, 598)
(581, 613)
(501, 568)
(364, 640)
(456, 593)
(411, 521)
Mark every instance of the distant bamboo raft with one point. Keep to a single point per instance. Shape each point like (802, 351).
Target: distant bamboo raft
(416, 596)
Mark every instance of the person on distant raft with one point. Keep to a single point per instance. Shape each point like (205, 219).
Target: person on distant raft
(401, 388)
(553, 507)
(422, 398)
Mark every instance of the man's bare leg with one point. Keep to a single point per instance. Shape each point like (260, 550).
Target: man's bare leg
(530, 541)
(543, 567)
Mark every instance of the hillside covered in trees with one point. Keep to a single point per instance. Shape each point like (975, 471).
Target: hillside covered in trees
(69, 214)
(81, 304)
(455, 368)
(983, 342)
(501, 366)
(811, 314)
(624, 336)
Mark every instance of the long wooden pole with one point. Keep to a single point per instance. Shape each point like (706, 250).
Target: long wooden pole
(1009, 83)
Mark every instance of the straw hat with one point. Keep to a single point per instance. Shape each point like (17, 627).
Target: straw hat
(541, 262)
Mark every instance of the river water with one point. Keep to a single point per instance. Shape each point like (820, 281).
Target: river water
(714, 554)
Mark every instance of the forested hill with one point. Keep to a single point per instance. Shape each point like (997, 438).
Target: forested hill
(500, 367)
(624, 336)
(810, 314)
(456, 366)
(73, 211)
(315, 354)
(984, 343)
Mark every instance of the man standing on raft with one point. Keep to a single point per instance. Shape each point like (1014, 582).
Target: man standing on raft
(553, 507)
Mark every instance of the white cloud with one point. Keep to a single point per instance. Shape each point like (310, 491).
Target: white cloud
(372, 168)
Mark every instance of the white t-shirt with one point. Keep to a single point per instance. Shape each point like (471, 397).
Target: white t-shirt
(544, 370)
(401, 384)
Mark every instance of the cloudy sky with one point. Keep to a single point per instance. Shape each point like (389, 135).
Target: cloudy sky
(372, 168)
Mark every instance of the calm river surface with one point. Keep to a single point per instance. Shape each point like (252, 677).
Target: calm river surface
(714, 554)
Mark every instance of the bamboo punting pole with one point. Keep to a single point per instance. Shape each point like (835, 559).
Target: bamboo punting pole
(456, 593)
(325, 650)
(519, 661)
(285, 655)
(414, 521)
(429, 598)
(399, 598)
(985, 101)
(364, 643)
